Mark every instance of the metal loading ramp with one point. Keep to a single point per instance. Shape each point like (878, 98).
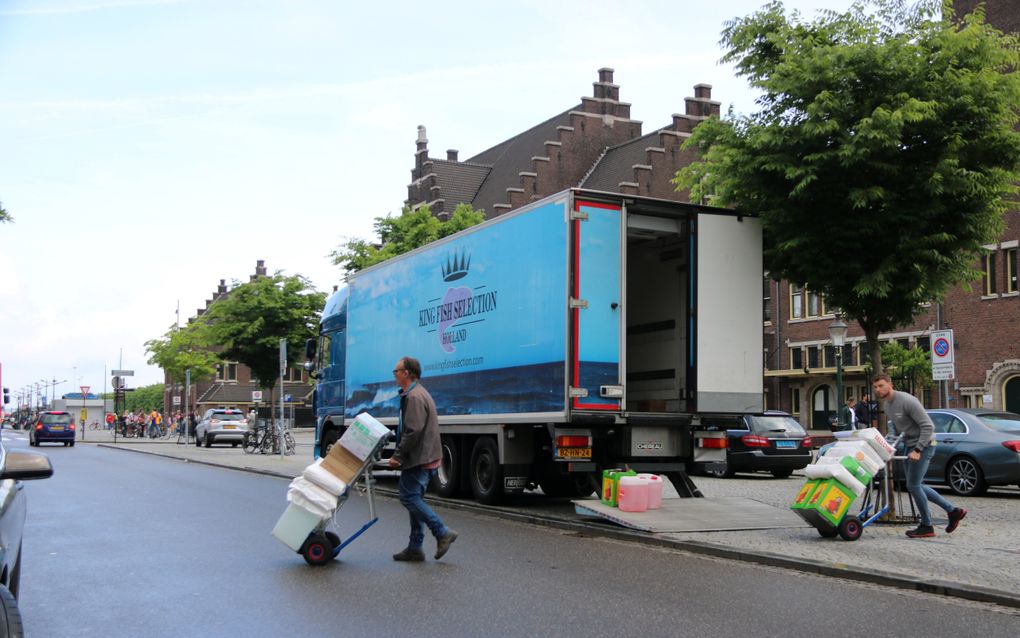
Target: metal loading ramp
(695, 515)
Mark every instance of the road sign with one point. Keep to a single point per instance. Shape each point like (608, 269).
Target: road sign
(256, 395)
(288, 398)
(942, 346)
(122, 373)
(85, 390)
(943, 371)
(176, 400)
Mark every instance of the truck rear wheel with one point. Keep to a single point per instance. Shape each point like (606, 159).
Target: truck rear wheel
(447, 481)
(577, 485)
(329, 438)
(486, 473)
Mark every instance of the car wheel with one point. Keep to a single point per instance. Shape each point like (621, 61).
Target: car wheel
(15, 581)
(965, 478)
(486, 473)
(234, 444)
(781, 474)
(726, 472)
(207, 440)
(71, 444)
(10, 617)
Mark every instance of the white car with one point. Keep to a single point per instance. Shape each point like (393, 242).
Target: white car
(221, 426)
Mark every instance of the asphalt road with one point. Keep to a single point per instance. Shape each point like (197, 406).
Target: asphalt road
(123, 544)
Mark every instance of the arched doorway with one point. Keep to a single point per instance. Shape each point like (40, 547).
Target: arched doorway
(820, 408)
(1011, 394)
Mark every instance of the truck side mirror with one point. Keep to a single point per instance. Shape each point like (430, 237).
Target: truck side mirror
(310, 347)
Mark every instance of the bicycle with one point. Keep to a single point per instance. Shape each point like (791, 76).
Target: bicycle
(266, 440)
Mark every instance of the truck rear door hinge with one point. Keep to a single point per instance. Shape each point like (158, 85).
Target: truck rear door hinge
(578, 393)
(578, 215)
(578, 303)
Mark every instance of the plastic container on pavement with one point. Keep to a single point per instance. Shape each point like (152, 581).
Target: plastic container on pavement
(295, 525)
(655, 488)
(611, 485)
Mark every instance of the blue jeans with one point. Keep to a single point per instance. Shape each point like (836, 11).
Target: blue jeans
(920, 492)
(413, 482)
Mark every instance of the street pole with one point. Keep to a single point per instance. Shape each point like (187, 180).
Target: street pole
(283, 369)
(839, 386)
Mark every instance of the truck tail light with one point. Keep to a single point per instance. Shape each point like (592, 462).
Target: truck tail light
(573, 441)
(753, 440)
(1012, 445)
(807, 442)
(714, 443)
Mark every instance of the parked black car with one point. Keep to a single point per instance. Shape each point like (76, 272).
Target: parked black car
(15, 466)
(771, 442)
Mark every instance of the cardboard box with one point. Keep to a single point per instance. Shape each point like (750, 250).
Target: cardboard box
(828, 504)
(342, 464)
(363, 435)
(805, 494)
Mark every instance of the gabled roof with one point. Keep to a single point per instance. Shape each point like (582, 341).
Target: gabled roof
(509, 158)
(459, 181)
(617, 163)
(241, 393)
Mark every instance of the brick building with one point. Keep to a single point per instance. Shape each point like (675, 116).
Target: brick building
(233, 385)
(594, 144)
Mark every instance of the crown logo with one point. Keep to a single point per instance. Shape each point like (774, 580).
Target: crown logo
(456, 266)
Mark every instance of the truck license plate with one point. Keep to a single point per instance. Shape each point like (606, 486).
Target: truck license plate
(574, 452)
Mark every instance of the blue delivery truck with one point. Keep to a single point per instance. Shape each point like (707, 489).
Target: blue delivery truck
(582, 332)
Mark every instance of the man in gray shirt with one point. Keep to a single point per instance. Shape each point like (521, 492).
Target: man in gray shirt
(909, 419)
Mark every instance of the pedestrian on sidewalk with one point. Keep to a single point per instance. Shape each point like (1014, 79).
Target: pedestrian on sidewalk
(909, 419)
(418, 455)
(862, 410)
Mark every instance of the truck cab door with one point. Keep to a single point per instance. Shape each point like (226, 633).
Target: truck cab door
(595, 301)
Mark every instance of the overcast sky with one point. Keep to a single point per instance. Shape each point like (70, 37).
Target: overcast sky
(150, 148)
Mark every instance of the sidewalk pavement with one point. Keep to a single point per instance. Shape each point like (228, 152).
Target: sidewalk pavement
(977, 562)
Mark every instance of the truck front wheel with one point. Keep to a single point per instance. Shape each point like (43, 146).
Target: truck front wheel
(447, 481)
(486, 472)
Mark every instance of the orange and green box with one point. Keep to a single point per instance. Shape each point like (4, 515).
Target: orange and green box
(611, 485)
(828, 503)
(805, 494)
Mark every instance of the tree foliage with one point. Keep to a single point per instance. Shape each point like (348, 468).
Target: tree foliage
(146, 398)
(883, 154)
(910, 364)
(248, 323)
(183, 349)
(397, 235)
(4, 215)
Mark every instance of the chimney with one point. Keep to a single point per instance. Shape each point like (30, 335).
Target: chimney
(421, 155)
(703, 91)
(606, 75)
(604, 88)
(222, 289)
(335, 287)
(260, 268)
(451, 155)
(423, 142)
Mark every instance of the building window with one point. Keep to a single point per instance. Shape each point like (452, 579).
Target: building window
(813, 357)
(1011, 273)
(988, 270)
(226, 372)
(904, 343)
(864, 353)
(815, 304)
(767, 299)
(796, 358)
(924, 343)
(794, 400)
(829, 357)
(848, 355)
(796, 301)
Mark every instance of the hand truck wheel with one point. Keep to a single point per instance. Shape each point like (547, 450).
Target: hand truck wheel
(318, 549)
(850, 528)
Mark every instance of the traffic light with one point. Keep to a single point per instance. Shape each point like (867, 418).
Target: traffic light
(7, 395)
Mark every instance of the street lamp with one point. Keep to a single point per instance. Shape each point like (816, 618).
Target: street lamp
(837, 335)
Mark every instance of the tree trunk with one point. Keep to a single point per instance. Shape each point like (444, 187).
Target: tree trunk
(875, 353)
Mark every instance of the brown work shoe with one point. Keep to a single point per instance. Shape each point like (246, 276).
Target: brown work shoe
(443, 544)
(409, 555)
(954, 519)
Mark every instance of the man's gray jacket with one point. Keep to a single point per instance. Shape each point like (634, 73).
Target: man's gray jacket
(419, 440)
(909, 419)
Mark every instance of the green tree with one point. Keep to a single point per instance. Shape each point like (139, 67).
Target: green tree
(146, 398)
(248, 323)
(912, 365)
(398, 235)
(4, 215)
(882, 157)
(183, 349)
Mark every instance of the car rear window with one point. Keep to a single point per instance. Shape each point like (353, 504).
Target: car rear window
(766, 425)
(228, 416)
(56, 419)
(1003, 422)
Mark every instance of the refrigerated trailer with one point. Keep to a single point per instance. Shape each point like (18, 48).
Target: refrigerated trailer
(582, 332)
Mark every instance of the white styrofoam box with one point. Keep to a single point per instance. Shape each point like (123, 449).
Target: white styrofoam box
(324, 479)
(838, 472)
(294, 526)
(877, 441)
(363, 435)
